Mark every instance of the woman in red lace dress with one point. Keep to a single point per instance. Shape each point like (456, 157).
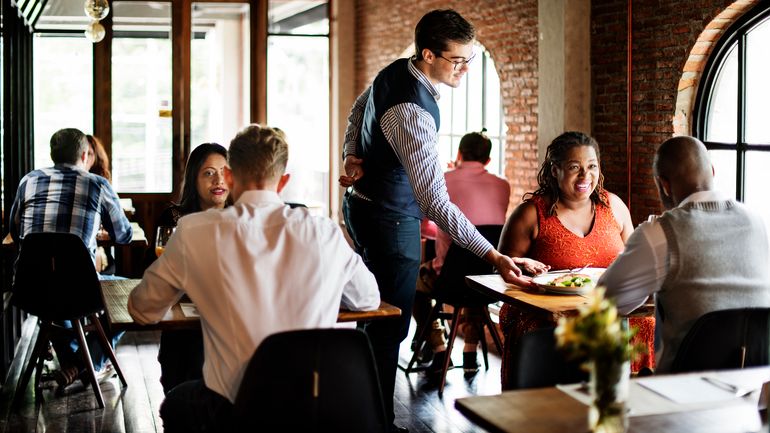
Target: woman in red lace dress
(569, 222)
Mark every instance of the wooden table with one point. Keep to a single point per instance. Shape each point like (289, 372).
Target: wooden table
(116, 294)
(553, 305)
(549, 410)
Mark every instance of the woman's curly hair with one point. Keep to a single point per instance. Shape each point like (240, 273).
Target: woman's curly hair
(555, 155)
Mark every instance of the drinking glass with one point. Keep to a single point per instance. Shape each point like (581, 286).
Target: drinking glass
(162, 237)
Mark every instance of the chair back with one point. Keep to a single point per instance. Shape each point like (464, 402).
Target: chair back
(725, 339)
(459, 263)
(537, 363)
(317, 380)
(55, 278)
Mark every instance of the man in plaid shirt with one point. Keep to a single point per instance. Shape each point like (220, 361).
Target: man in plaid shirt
(66, 198)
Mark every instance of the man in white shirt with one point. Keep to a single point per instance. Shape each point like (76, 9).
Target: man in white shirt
(253, 269)
(707, 252)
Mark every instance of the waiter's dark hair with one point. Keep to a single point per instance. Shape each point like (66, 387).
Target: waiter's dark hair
(439, 27)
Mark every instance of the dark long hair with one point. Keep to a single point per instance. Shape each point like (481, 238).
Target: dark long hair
(101, 161)
(189, 201)
(555, 156)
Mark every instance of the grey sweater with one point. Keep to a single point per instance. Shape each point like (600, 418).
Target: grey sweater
(718, 252)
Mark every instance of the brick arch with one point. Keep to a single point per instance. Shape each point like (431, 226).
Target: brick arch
(696, 62)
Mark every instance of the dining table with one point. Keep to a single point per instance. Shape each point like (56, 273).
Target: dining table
(553, 306)
(182, 315)
(691, 402)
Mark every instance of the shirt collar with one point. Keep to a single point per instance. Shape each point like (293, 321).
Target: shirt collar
(422, 78)
(62, 165)
(255, 196)
(699, 196)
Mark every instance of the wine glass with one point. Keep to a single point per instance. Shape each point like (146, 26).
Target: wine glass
(162, 237)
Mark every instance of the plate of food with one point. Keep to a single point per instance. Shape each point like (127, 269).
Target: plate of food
(569, 283)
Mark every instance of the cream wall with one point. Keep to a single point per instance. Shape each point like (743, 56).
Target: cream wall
(564, 71)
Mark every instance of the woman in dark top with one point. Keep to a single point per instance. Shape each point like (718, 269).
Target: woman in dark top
(204, 188)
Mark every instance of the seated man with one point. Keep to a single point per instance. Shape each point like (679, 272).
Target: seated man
(707, 252)
(67, 198)
(253, 269)
(483, 198)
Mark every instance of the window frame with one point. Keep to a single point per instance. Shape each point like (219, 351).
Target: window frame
(736, 37)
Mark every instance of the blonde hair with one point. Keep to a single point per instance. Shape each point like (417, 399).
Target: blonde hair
(258, 153)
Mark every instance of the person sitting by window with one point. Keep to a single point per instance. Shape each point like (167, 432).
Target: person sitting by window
(98, 163)
(253, 269)
(706, 252)
(483, 198)
(67, 198)
(181, 352)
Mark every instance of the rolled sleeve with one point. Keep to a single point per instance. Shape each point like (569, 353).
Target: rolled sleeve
(355, 120)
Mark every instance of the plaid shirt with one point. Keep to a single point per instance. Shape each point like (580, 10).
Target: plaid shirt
(67, 199)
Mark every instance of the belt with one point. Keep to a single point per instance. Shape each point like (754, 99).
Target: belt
(356, 194)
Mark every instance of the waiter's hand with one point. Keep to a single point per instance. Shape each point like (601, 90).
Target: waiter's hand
(508, 269)
(353, 171)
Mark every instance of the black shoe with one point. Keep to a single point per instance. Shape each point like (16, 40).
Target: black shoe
(436, 367)
(426, 355)
(470, 363)
(396, 429)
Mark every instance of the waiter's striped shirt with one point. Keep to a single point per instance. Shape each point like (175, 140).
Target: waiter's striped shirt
(412, 133)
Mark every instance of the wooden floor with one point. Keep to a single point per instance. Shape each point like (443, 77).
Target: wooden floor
(135, 409)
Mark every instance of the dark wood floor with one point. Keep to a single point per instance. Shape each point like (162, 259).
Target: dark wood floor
(135, 409)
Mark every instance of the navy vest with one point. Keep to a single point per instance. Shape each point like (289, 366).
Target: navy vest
(385, 180)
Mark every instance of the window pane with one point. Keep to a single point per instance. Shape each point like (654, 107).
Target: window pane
(722, 122)
(141, 97)
(219, 72)
(473, 105)
(298, 103)
(724, 170)
(757, 179)
(758, 84)
(63, 96)
(298, 17)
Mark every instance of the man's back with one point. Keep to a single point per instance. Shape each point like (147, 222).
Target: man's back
(254, 269)
(718, 256)
(480, 195)
(67, 199)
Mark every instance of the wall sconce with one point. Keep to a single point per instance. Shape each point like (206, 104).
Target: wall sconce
(96, 10)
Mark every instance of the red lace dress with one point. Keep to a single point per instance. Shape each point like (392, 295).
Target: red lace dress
(560, 248)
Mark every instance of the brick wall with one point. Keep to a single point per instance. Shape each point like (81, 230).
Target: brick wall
(508, 29)
(665, 33)
(664, 37)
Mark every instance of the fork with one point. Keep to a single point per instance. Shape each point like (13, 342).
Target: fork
(570, 271)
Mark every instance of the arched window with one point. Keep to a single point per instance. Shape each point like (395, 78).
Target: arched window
(732, 113)
(472, 106)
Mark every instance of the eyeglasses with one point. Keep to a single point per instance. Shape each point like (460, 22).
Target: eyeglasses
(458, 63)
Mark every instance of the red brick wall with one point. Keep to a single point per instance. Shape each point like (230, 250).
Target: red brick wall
(508, 29)
(664, 34)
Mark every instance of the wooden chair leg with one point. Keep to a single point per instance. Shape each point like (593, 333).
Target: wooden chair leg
(35, 360)
(483, 340)
(107, 347)
(87, 361)
(493, 331)
(450, 343)
(421, 339)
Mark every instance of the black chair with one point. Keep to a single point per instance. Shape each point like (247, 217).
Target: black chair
(537, 363)
(55, 280)
(452, 290)
(318, 380)
(725, 339)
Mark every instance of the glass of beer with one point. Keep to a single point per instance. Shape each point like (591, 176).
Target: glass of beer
(162, 237)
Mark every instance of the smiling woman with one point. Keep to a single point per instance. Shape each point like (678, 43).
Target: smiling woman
(570, 221)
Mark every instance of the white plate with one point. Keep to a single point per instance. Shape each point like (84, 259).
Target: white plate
(543, 281)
